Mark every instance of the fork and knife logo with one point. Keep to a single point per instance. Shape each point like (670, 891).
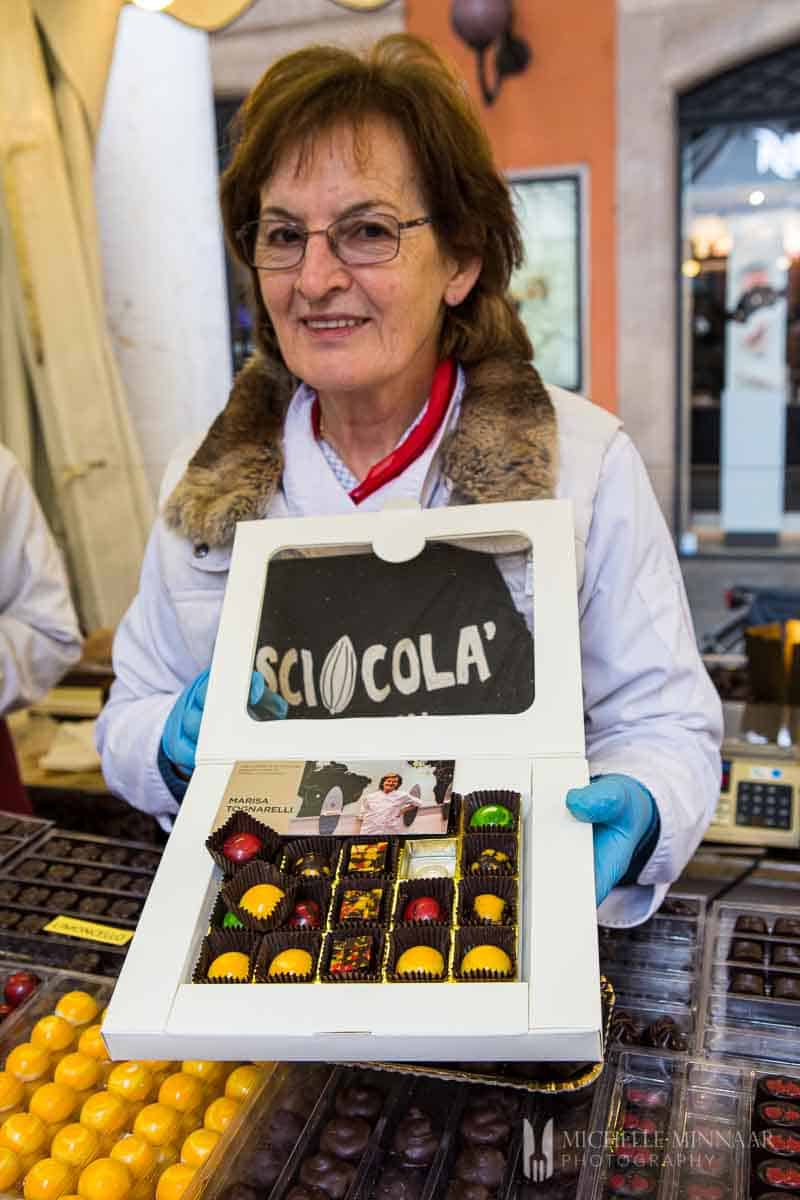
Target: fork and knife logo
(537, 1163)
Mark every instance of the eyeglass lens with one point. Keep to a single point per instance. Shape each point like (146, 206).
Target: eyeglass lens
(355, 240)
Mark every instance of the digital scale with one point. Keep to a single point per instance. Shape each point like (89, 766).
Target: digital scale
(759, 802)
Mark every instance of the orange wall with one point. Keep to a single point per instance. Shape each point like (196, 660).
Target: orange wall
(560, 111)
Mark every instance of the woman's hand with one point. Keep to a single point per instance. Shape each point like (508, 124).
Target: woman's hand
(179, 739)
(626, 827)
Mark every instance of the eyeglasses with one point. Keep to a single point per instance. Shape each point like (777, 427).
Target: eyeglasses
(357, 241)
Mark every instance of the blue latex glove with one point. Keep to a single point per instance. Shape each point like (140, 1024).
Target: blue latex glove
(179, 739)
(626, 826)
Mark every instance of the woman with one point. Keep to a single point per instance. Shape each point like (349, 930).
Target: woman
(39, 636)
(381, 240)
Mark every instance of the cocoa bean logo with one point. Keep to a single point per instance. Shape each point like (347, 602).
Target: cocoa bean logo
(337, 679)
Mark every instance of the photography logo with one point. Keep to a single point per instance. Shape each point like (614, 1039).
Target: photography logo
(537, 1151)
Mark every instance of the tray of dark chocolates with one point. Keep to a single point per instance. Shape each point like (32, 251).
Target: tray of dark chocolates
(752, 982)
(697, 1129)
(20, 899)
(656, 971)
(358, 1134)
(54, 952)
(377, 909)
(61, 857)
(17, 833)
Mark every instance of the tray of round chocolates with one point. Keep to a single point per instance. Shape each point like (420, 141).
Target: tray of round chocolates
(134, 862)
(752, 982)
(377, 909)
(17, 832)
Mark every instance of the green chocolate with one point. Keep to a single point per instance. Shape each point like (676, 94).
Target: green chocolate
(231, 921)
(492, 814)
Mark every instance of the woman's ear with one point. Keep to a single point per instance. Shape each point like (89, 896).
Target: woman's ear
(462, 282)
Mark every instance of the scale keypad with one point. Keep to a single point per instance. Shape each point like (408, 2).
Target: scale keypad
(766, 805)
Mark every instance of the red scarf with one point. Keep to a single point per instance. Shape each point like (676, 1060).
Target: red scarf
(414, 444)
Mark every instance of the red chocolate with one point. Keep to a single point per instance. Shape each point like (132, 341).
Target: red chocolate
(306, 914)
(779, 1174)
(781, 1142)
(777, 1113)
(423, 908)
(19, 986)
(241, 847)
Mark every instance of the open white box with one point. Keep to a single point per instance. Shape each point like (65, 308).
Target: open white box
(552, 1012)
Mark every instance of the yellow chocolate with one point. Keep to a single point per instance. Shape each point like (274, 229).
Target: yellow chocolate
(486, 958)
(233, 964)
(261, 900)
(489, 907)
(420, 958)
(292, 962)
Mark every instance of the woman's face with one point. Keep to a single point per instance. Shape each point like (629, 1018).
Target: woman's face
(388, 315)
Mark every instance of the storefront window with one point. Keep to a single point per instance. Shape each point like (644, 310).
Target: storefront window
(740, 320)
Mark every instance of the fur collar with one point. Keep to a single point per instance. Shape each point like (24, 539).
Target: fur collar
(504, 448)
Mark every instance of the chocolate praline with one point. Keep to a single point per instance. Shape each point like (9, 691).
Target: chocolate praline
(778, 1173)
(746, 924)
(785, 955)
(359, 1100)
(631, 1183)
(704, 1189)
(459, 1190)
(481, 1164)
(399, 1183)
(284, 1128)
(240, 1191)
(623, 1028)
(787, 927)
(415, 1138)
(345, 1137)
(747, 951)
(485, 1126)
(263, 1165)
(664, 1034)
(312, 866)
(326, 1172)
(786, 987)
(747, 983)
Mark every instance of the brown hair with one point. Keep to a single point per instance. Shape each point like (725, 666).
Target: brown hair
(402, 79)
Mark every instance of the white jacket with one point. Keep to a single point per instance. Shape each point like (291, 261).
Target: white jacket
(39, 636)
(651, 711)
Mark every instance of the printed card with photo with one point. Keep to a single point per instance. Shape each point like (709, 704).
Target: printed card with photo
(342, 799)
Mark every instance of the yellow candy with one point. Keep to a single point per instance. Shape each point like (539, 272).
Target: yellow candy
(242, 1082)
(420, 958)
(486, 958)
(11, 1093)
(158, 1124)
(104, 1179)
(220, 1113)
(174, 1182)
(105, 1113)
(166, 1155)
(199, 1146)
(292, 962)
(78, 1008)
(75, 1145)
(91, 1043)
(489, 907)
(182, 1092)
(10, 1168)
(135, 1153)
(130, 1081)
(24, 1133)
(261, 900)
(48, 1178)
(27, 1062)
(232, 965)
(53, 1102)
(207, 1072)
(77, 1071)
(53, 1033)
